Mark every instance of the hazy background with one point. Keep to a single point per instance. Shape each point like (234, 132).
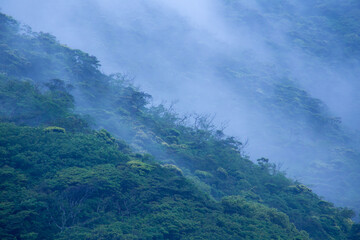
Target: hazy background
(231, 58)
(172, 44)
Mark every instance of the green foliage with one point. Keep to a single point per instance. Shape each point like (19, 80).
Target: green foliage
(173, 168)
(55, 129)
(139, 166)
(221, 171)
(24, 103)
(238, 205)
(105, 135)
(203, 174)
(88, 185)
(78, 186)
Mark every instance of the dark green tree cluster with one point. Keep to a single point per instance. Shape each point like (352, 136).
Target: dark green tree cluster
(57, 185)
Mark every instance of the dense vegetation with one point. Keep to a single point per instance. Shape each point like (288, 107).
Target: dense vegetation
(58, 185)
(63, 180)
(319, 37)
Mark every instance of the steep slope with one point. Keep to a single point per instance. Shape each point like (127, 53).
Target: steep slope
(83, 184)
(57, 185)
(265, 65)
(67, 170)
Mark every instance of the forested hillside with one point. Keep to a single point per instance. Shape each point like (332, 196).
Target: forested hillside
(65, 177)
(283, 74)
(61, 185)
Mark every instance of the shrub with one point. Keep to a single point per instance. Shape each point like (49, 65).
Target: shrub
(203, 174)
(222, 172)
(55, 129)
(173, 169)
(140, 166)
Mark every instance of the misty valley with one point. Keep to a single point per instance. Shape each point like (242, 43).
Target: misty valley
(207, 119)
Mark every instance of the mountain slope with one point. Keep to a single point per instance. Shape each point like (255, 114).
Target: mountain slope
(262, 65)
(57, 185)
(63, 164)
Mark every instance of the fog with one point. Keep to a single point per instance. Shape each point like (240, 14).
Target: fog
(226, 58)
